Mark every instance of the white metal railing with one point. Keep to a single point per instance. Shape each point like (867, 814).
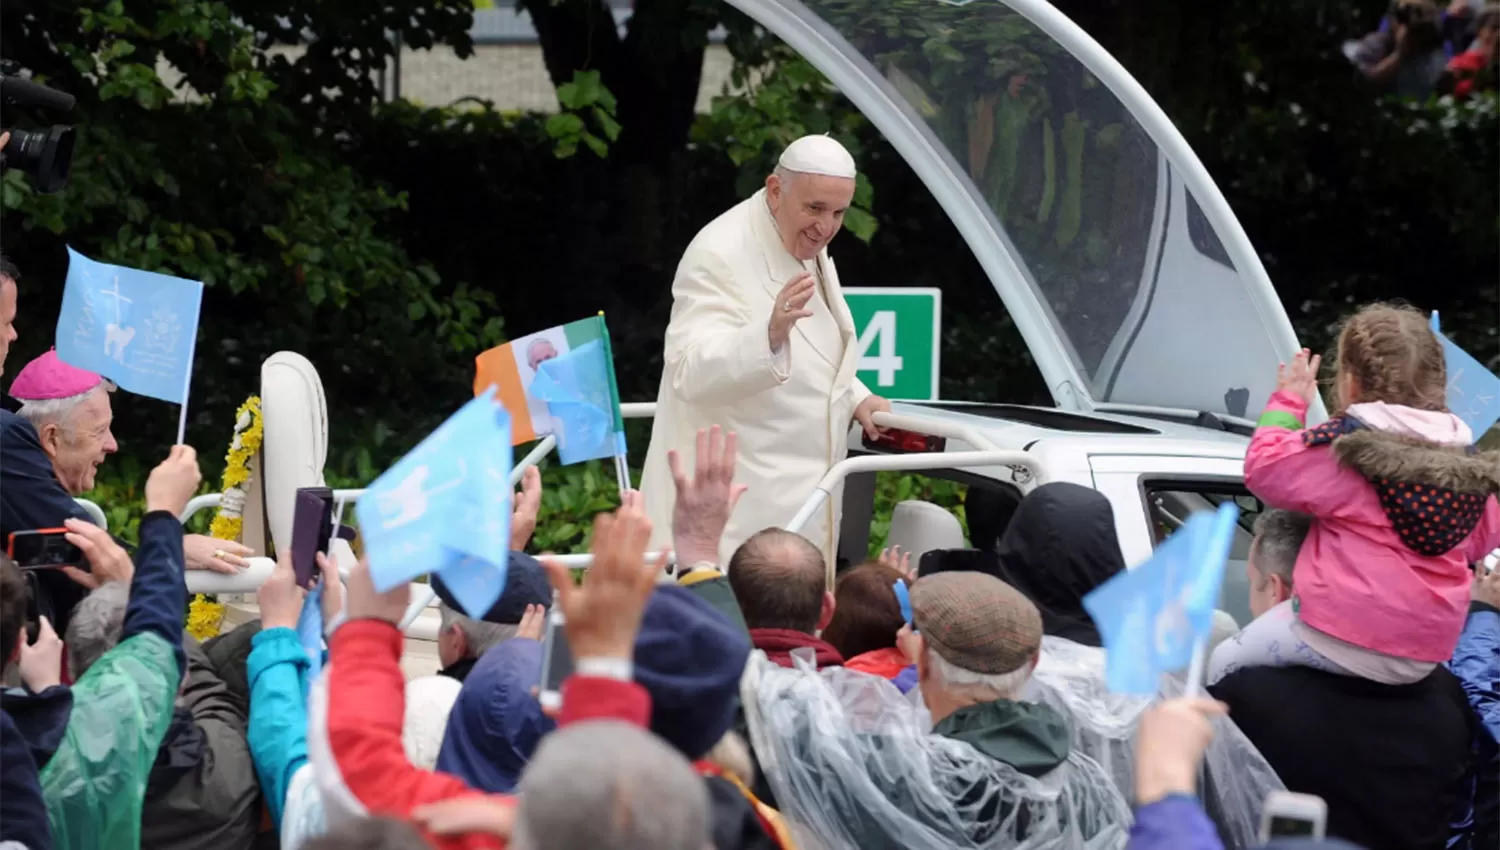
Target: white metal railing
(921, 460)
(423, 596)
(95, 513)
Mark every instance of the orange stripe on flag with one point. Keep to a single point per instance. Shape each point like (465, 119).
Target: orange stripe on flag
(498, 367)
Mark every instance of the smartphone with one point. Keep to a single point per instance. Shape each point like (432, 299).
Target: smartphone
(1289, 815)
(557, 660)
(44, 549)
(312, 526)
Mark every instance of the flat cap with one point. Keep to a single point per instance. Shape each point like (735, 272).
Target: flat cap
(976, 621)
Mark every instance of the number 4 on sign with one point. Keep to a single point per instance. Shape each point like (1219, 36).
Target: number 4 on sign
(886, 363)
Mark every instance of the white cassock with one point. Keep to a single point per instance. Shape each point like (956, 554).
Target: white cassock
(792, 410)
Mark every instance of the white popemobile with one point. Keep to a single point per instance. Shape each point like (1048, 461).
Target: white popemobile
(1139, 296)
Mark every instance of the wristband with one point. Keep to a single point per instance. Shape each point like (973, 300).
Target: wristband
(601, 667)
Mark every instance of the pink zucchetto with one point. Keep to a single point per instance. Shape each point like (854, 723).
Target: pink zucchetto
(47, 377)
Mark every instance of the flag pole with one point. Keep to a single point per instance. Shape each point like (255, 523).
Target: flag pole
(622, 461)
(187, 383)
(1196, 669)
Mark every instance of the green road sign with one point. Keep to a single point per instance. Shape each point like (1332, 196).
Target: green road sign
(899, 333)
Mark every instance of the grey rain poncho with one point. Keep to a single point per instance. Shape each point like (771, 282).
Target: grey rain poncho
(855, 765)
(1236, 778)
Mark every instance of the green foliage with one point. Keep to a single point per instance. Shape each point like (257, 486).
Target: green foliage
(203, 154)
(587, 116)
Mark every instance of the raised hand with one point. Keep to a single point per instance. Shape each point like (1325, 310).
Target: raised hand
(790, 307)
(527, 504)
(279, 597)
(367, 603)
(1300, 377)
(108, 561)
(174, 481)
(705, 501)
(41, 662)
(605, 613)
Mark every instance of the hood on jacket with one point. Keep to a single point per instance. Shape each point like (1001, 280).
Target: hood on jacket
(778, 644)
(1030, 737)
(689, 657)
(1434, 495)
(496, 724)
(1060, 545)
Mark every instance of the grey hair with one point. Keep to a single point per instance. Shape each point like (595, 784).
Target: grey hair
(620, 774)
(1279, 535)
(44, 411)
(953, 678)
(482, 635)
(96, 624)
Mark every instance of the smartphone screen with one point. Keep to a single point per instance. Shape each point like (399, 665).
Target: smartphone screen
(557, 660)
(44, 549)
(312, 525)
(1289, 826)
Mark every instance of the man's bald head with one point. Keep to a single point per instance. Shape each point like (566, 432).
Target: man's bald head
(779, 580)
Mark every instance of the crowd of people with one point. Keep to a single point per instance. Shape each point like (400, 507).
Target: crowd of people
(1420, 50)
(743, 703)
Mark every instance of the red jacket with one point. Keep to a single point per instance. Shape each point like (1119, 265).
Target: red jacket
(367, 704)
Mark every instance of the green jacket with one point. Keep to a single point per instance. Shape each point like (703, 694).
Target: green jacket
(95, 784)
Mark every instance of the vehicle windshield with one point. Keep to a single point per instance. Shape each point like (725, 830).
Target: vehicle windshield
(1137, 284)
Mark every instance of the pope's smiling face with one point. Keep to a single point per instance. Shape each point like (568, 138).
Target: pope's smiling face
(808, 209)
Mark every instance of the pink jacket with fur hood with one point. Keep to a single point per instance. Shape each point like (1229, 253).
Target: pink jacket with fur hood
(1402, 505)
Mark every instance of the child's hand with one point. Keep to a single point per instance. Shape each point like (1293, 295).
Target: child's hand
(1300, 378)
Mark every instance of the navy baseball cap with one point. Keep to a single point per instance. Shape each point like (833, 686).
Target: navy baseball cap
(525, 584)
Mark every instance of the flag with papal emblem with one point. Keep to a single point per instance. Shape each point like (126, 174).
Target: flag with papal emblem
(134, 327)
(1151, 617)
(445, 508)
(1473, 391)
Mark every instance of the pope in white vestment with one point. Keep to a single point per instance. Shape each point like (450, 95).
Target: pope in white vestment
(761, 343)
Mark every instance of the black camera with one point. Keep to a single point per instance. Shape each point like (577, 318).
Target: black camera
(47, 155)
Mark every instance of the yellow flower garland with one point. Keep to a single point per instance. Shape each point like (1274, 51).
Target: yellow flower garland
(206, 615)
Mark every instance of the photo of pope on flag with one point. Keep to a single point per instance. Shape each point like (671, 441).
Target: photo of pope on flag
(560, 381)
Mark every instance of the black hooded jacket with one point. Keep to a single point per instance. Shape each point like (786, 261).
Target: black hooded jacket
(1060, 545)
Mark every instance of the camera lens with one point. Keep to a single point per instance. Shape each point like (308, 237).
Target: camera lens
(47, 155)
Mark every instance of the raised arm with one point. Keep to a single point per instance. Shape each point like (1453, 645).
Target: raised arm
(158, 595)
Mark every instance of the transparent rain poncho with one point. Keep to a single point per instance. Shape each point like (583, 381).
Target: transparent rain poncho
(855, 765)
(1235, 779)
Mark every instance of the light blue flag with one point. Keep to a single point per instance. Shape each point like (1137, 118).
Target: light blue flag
(310, 635)
(1473, 391)
(1153, 616)
(576, 388)
(445, 508)
(134, 327)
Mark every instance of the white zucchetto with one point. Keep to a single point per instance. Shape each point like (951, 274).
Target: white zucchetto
(818, 155)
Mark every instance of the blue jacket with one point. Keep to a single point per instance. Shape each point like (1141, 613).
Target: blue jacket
(1476, 663)
(31, 728)
(23, 814)
(42, 718)
(1176, 822)
(496, 723)
(277, 669)
(31, 497)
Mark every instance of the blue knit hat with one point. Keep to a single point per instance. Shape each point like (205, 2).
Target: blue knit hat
(689, 657)
(525, 584)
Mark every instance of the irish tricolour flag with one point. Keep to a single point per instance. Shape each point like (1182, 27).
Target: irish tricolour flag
(559, 381)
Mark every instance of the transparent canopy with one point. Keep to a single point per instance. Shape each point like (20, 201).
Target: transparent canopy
(1120, 260)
